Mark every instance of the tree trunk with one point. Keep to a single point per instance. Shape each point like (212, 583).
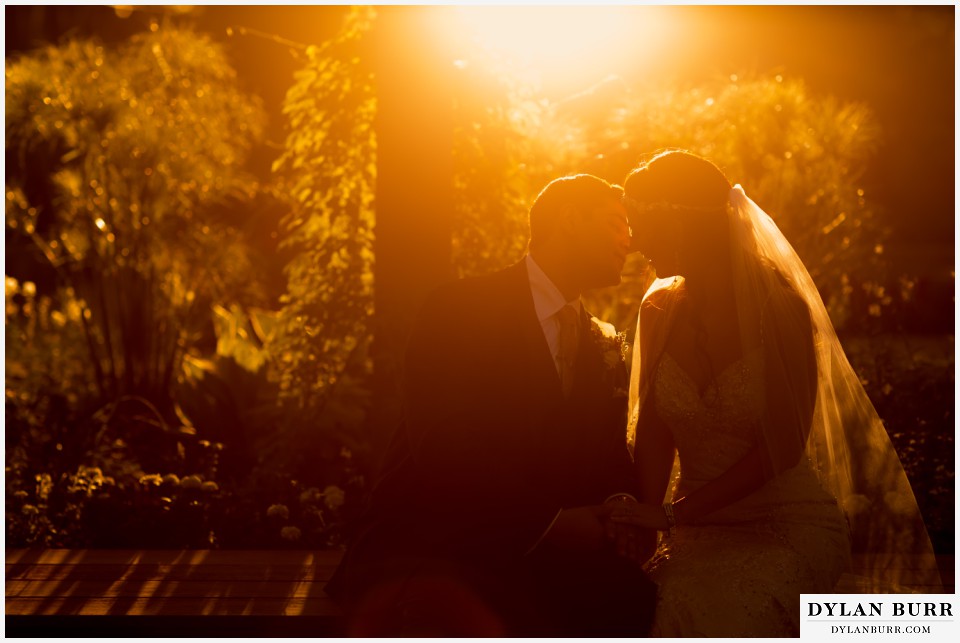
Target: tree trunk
(414, 191)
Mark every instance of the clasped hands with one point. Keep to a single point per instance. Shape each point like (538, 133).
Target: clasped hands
(631, 527)
(628, 526)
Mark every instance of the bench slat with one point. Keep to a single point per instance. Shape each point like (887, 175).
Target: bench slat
(171, 557)
(154, 589)
(173, 606)
(248, 572)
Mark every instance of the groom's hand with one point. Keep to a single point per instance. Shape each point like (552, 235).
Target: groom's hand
(578, 529)
(630, 541)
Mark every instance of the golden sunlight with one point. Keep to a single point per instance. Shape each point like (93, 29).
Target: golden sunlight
(565, 40)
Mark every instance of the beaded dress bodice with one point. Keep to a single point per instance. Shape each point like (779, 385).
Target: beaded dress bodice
(714, 430)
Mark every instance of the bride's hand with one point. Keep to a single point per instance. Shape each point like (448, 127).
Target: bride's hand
(641, 515)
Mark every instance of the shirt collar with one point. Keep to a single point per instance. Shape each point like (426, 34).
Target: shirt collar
(547, 298)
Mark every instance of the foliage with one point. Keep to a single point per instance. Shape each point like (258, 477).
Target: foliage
(327, 173)
(127, 199)
(910, 380)
(120, 477)
(123, 168)
(278, 511)
(86, 507)
(494, 115)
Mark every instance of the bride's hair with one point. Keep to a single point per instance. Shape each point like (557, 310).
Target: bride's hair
(679, 178)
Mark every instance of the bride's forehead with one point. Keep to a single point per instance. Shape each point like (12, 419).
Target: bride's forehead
(611, 210)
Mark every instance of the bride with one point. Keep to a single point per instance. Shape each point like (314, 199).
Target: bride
(784, 465)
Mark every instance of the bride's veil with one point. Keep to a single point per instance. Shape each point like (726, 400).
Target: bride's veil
(844, 440)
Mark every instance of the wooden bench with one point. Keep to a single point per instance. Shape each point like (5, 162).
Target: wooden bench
(197, 593)
(67, 592)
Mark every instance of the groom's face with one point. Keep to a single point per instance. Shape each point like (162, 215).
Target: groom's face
(601, 242)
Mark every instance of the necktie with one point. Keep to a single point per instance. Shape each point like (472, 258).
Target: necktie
(569, 323)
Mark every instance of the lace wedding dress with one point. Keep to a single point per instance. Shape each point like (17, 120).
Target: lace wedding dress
(741, 570)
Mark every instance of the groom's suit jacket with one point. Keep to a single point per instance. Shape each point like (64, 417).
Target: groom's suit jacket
(489, 449)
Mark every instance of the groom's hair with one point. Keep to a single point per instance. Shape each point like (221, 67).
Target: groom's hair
(582, 192)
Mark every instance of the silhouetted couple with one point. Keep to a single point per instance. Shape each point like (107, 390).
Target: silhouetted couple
(528, 491)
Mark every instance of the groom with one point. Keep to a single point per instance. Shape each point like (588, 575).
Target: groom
(491, 516)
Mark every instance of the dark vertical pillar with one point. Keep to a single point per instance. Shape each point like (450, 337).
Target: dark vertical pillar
(414, 200)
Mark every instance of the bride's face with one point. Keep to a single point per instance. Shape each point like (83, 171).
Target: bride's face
(657, 236)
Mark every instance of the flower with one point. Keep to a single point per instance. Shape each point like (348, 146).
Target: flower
(191, 482)
(310, 496)
(94, 473)
(612, 344)
(30, 510)
(312, 514)
(151, 479)
(613, 349)
(278, 510)
(209, 486)
(290, 533)
(171, 479)
(333, 497)
(44, 486)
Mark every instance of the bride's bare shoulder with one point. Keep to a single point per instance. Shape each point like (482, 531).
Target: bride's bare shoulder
(661, 294)
(658, 298)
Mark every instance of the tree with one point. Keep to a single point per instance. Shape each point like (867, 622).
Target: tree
(327, 176)
(124, 171)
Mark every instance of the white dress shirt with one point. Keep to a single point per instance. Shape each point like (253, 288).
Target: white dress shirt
(547, 301)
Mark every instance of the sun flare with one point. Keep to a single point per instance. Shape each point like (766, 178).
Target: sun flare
(554, 41)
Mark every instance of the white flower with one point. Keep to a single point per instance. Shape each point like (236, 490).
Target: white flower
(333, 497)
(612, 344)
(606, 329)
(278, 510)
(310, 496)
(151, 479)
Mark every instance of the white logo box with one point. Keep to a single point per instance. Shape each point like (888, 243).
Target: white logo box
(892, 617)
